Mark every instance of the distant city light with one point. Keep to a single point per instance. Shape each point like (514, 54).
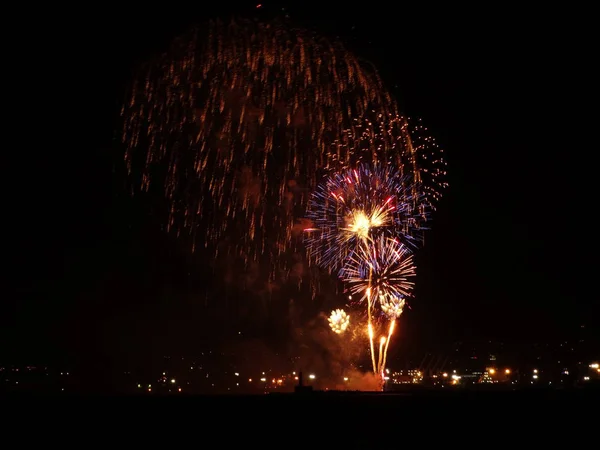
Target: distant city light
(195, 377)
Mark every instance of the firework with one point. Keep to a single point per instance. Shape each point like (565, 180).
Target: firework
(391, 139)
(338, 321)
(357, 205)
(379, 362)
(385, 175)
(236, 123)
(379, 270)
(234, 120)
(385, 348)
(392, 306)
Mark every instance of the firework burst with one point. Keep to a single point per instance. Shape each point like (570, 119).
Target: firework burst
(392, 306)
(338, 321)
(380, 270)
(358, 205)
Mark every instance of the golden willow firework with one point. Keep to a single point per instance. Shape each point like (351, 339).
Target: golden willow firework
(356, 206)
(338, 321)
(234, 120)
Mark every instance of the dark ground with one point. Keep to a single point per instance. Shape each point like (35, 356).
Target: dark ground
(318, 420)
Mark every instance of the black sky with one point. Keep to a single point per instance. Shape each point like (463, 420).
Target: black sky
(512, 251)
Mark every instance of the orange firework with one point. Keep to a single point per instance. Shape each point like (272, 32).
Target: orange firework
(232, 124)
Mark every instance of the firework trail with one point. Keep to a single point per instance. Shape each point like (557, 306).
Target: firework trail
(352, 207)
(234, 121)
(392, 306)
(339, 323)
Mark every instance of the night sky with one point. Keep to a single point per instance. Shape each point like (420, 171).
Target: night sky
(512, 250)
